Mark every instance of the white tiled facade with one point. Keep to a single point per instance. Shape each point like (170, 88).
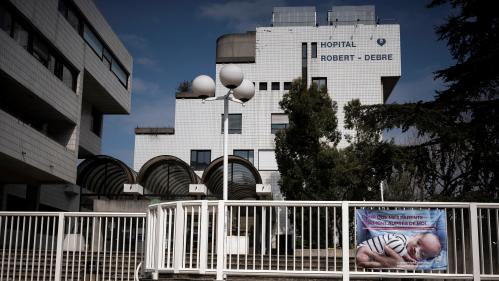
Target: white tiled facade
(279, 59)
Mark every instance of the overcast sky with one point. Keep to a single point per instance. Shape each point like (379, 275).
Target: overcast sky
(173, 41)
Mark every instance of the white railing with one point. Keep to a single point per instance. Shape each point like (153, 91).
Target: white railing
(70, 246)
(298, 238)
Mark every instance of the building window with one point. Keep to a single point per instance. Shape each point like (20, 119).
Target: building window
(41, 51)
(75, 19)
(304, 67)
(287, 86)
(21, 35)
(33, 42)
(96, 125)
(314, 50)
(246, 154)
(279, 121)
(5, 20)
(200, 159)
(266, 160)
(320, 82)
(92, 41)
(235, 123)
(275, 86)
(262, 86)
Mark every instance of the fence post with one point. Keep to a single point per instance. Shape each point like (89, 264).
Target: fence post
(220, 240)
(345, 247)
(159, 239)
(59, 250)
(203, 241)
(475, 243)
(178, 250)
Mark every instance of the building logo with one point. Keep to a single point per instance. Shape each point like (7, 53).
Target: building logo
(381, 41)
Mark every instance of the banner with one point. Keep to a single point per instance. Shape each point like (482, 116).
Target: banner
(416, 239)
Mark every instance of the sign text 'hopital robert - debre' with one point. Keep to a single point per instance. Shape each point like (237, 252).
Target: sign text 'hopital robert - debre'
(353, 57)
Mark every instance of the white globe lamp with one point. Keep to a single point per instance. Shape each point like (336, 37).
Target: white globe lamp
(203, 85)
(231, 76)
(245, 91)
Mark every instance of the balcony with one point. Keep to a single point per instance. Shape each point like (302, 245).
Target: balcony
(28, 155)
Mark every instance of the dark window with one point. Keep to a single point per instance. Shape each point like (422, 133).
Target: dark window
(21, 35)
(120, 73)
(96, 122)
(263, 86)
(235, 123)
(200, 159)
(75, 19)
(287, 86)
(314, 50)
(304, 69)
(41, 51)
(279, 121)
(5, 20)
(68, 77)
(320, 82)
(275, 86)
(92, 41)
(34, 42)
(107, 58)
(246, 154)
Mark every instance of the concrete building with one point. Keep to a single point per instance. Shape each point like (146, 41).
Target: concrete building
(352, 54)
(61, 69)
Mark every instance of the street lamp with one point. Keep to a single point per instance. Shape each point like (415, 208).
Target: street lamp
(240, 91)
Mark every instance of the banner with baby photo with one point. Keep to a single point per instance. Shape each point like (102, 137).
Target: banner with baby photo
(401, 239)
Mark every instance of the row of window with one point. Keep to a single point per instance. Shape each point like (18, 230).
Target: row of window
(200, 159)
(274, 86)
(77, 21)
(278, 122)
(32, 41)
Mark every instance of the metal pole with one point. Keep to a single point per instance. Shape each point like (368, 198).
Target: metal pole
(381, 189)
(222, 227)
(226, 140)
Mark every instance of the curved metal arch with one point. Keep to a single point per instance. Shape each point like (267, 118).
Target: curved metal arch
(168, 176)
(104, 175)
(243, 177)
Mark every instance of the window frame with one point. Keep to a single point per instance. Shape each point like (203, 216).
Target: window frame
(237, 131)
(272, 84)
(319, 79)
(252, 151)
(314, 50)
(263, 83)
(273, 129)
(197, 166)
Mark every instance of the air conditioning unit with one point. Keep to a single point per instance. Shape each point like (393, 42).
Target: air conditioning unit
(197, 189)
(133, 189)
(263, 189)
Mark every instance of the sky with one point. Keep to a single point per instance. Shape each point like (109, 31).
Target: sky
(174, 41)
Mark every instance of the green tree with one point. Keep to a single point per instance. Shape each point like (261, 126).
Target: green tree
(310, 164)
(456, 155)
(299, 148)
(184, 86)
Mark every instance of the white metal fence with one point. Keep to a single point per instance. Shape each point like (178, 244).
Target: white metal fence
(70, 246)
(298, 238)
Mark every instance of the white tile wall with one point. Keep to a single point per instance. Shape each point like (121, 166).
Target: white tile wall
(278, 59)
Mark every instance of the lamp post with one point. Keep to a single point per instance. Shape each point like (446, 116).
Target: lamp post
(240, 91)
